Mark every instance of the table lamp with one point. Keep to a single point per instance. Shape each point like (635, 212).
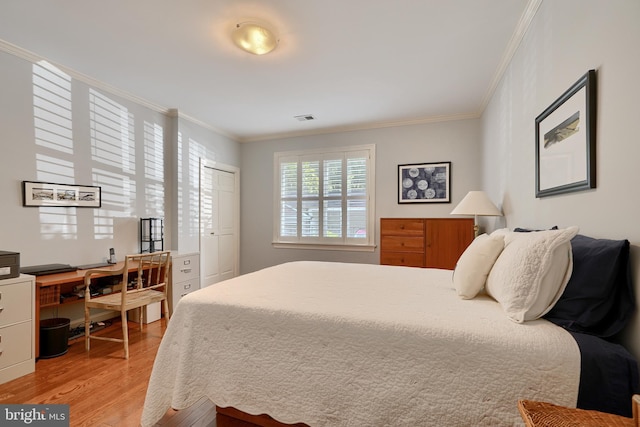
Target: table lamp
(476, 203)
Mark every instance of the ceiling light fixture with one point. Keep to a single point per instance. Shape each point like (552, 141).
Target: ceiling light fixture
(254, 38)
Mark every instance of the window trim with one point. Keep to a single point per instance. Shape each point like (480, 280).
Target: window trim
(301, 243)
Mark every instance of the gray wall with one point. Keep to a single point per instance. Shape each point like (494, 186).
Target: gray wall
(195, 142)
(455, 141)
(566, 39)
(83, 235)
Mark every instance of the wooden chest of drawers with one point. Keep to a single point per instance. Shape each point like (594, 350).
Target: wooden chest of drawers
(424, 242)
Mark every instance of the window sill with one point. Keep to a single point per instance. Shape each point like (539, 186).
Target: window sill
(324, 247)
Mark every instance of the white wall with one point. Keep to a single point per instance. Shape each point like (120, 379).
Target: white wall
(193, 143)
(455, 141)
(160, 177)
(566, 39)
(63, 235)
(130, 190)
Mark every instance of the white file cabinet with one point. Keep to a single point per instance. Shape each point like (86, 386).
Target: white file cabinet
(185, 276)
(17, 329)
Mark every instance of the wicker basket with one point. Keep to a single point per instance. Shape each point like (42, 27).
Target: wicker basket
(49, 295)
(542, 414)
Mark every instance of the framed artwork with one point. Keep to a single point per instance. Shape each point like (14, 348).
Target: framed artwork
(566, 141)
(424, 183)
(38, 194)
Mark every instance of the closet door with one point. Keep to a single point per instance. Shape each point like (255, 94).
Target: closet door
(219, 219)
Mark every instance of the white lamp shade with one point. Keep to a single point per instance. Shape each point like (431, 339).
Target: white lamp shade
(476, 203)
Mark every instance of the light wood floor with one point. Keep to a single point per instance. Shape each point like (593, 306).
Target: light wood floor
(101, 387)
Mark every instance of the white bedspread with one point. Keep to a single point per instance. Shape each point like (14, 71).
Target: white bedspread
(336, 344)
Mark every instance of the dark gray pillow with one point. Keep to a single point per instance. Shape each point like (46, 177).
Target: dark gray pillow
(527, 230)
(599, 298)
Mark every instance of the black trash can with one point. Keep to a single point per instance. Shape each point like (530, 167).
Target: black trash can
(54, 337)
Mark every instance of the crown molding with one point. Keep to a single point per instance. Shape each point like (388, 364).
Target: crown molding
(362, 127)
(518, 34)
(97, 84)
(177, 113)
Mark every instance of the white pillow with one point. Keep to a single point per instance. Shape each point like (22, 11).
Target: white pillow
(501, 232)
(475, 263)
(532, 272)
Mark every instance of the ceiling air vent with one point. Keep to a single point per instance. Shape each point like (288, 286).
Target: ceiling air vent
(304, 118)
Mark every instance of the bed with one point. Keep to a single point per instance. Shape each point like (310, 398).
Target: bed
(333, 344)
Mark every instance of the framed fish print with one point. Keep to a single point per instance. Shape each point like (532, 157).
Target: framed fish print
(566, 141)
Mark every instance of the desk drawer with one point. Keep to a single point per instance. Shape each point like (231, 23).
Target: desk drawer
(186, 267)
(183, 288)
(15, 303)
(15, 344)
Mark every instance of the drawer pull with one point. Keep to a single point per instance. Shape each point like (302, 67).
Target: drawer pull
(186, 293)
(186, 270)
(1, 351)
(1, 308)
(187, 286)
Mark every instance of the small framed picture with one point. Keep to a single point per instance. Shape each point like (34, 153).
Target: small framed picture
(36, 194)
(424, 183)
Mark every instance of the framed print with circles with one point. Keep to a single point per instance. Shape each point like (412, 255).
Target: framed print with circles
(424, 183)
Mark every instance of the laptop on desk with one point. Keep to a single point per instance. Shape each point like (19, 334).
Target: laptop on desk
(41, 270)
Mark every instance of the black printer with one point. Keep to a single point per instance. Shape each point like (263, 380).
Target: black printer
(9, 264)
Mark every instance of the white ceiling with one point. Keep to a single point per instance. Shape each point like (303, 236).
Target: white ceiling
(352, 64)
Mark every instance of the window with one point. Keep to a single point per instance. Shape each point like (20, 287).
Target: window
(325, 198)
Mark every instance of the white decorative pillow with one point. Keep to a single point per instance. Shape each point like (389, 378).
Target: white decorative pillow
(532, 272)
(501, 232)
(475, 263)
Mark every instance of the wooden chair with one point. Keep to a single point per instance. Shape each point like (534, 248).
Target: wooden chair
(543, 414)
(146, 285)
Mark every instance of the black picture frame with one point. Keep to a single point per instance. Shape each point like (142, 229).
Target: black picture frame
(39, 194)
(566, 141)
(424, 183)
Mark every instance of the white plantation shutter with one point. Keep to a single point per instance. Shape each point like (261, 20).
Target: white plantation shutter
(325, 198)
(310, 178)
(357, 195)
(332, 178)
(289, 197)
